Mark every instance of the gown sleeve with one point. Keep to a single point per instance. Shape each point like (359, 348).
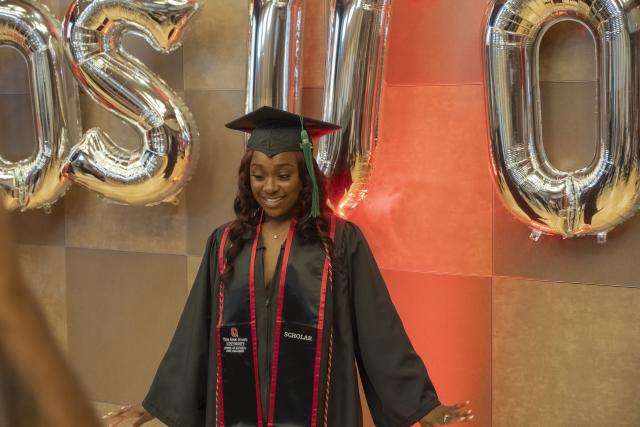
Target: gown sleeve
(178, 394)
(395, 380)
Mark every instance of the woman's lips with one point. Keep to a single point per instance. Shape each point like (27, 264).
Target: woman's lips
(272, 202)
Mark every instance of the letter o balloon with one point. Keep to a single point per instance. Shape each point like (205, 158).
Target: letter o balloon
(590, 200)
(36, 181)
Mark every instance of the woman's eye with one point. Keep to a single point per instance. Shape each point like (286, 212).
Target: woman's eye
(284, 176)
(257, 177)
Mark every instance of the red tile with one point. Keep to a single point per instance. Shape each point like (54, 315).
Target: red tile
(314, 44)
(435, 42)
(429, 203)
(448, 319)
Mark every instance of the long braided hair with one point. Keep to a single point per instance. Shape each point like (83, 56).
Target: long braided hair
(248, 213)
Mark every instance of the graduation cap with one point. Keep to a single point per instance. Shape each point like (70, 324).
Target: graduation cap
(275, 131)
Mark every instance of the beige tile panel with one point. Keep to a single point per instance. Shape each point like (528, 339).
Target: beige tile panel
(18, 139)
(123, 309)
(103, 408)
(215, 47)
(43, 268)
(569, 260)
(567, 53)
(93, 115)
(167, 66)
(35, 227)
(93, 222)
(569, 123)
(565, 355)
(211, 192)
(14, 76)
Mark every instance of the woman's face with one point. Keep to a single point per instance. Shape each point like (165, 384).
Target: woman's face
(275, 182)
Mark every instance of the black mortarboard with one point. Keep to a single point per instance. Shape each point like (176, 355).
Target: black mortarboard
(274, 131)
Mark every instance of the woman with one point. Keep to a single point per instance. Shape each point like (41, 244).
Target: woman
(278, 346)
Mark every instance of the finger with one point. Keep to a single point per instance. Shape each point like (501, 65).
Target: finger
(461, 404)
(463, 413)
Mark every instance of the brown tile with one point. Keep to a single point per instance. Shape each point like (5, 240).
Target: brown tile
(93, 222)
(569, 123)
(565, 354)
(14, 75)
(123, 309)
(434, 42)
(570, 260)
(167, 66)
(103, 408)
(94, 115)
(312, 101)
(193, 264)
(448, 319)
(567, 53)
(43, 268)
(211, 192)
(18, 128)
(215, 47)
(428, 206)
(36, 227)
(314, 46)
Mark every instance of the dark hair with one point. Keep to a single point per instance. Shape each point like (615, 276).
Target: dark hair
(248, 212)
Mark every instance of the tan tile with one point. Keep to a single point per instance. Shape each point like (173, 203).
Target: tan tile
(167, 66)
(569, 123)
(193, 264)
(123, 309)
(93, 222)
(94, 115)
(565, 354)
(18, 128)
(43, 268)
(36, 227)
(567, 53)
(211, 192)
(215, 47)
(14, 75)
(570, 260)
(103, 408)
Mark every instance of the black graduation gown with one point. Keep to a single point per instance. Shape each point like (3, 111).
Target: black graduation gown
(366, 330)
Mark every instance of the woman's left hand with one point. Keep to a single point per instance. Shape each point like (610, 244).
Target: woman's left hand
(444, 415)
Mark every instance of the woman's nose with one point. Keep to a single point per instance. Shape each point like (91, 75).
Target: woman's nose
(270, 186)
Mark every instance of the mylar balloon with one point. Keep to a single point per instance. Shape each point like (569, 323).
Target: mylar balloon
(36, 182)
(157, 171)
(591, 200)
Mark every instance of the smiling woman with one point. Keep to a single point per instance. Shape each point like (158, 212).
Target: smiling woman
(298, 301)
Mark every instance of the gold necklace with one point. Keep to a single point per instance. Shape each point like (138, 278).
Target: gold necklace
(279, 233)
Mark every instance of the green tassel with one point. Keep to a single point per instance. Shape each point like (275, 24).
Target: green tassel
(307, 152)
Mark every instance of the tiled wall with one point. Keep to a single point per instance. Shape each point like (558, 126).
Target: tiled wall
(535, 334)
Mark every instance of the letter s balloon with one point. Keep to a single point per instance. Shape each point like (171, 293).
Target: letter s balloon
(120, 83)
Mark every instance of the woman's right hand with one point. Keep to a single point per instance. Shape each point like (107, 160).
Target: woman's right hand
(135, 413)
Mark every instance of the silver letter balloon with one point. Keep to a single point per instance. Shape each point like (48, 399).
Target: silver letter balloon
(120, 83)
(353, 77)
(274, 54)
(36, 182)
(591, 200)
